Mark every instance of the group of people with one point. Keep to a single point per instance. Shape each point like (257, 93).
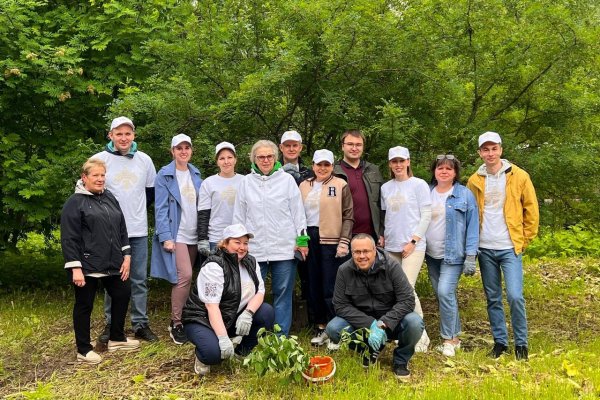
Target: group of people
(357, 243)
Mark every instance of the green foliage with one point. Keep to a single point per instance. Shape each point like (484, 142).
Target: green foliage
(278, 354)
(31, 270)
(576, 241)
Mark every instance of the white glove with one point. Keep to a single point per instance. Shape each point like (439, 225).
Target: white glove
(204, 247)
(244, 323)
(342, 250)
(226, 346)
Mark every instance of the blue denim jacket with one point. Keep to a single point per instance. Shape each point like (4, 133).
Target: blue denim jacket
(462, 225)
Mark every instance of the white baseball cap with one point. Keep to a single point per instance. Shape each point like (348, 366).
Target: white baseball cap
(236, 231)
(323, 155)
(398, 152)
(224, 145)
(489, 137)
(291, 135)
(121, 121)
(182, 137)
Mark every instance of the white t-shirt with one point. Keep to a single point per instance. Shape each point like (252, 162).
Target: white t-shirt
(494, 232)
(402, 202)
(188, 224)
(312, 204)
(127, 178)
(217, 194)
(436, 232)
(211, 280)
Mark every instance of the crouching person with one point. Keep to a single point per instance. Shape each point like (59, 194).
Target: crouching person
(227, 301)
(372, 291)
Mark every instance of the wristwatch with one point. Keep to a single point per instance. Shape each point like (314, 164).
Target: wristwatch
(413, 241)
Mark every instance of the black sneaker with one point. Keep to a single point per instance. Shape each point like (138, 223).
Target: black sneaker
(146, 334)
(177, 333)
(371, 359)
(522, 353)
(105, 335)
(401, 372)
(498, 350)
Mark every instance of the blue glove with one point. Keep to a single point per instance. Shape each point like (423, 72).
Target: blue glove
(377, 336)
(469, 266)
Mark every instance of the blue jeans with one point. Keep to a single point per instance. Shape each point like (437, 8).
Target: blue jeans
(283, 280)
(494, 264)
(407, 332)
(444, 279)
(207, 344)
(139, 288)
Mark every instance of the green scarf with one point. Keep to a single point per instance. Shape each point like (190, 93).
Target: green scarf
(258, 171)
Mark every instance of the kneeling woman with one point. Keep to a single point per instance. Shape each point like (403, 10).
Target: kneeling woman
(227, 301)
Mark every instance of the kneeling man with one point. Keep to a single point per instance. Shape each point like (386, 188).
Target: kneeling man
(372, 291)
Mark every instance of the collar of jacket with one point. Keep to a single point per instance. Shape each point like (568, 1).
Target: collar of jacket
(110, 147)
(312, 180)
(258, 171)
(232, 257)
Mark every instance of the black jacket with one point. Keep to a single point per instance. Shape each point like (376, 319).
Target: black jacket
(93, 232)
(195, 311)
(382, 293)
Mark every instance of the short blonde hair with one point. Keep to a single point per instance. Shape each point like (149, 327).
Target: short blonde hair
(264, 143)
(91, 163)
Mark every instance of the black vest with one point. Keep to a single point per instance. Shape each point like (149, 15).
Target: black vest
(195, 310)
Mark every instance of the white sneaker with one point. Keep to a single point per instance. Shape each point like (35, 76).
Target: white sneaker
(448, 349)
(91, 357)
(127, 345)
(200, 368)
(423, 344)
(333, 346)
(320, 338)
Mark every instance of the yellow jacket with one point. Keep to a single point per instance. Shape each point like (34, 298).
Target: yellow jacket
(521, 211)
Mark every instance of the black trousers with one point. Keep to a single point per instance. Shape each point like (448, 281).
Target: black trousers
(119, 291)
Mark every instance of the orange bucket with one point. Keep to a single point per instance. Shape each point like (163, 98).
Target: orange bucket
(320, 369)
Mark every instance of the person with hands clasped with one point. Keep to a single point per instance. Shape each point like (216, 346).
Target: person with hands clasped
(269, 204)
(405, 216)
(174, 245)
(329, 216)
(372, 291)
(96, 248)
(452, 242)
(227, 301)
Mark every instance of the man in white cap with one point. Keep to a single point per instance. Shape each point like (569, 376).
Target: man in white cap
(130, 176)
(291, 147)
(509, 218)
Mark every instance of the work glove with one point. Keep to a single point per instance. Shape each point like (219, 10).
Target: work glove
(204, 247)
(342, 250)
(244, 323)
(226, 346)
(469, 266)
(377, 336)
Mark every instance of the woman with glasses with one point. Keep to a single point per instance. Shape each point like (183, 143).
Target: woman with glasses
(329, 216)
(216, 199)
(406, 212)
(452, 241)
(269, 204)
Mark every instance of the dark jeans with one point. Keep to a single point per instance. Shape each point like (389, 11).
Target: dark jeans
(120, 293)
(322, 270)
(407, 332)
(207, 343)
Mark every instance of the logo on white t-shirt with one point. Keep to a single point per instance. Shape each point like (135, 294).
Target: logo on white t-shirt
(125, 179)
(228, 195)
(395, 202)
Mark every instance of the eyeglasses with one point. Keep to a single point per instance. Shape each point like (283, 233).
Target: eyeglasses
(357, 145)
(361, 252)
(446, 156)
(270, 157)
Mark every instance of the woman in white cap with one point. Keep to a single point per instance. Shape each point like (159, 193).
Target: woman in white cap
(217, 198)
(270, 205)
(174, 245)
(406, 213)
(226, 302)
(329, 217)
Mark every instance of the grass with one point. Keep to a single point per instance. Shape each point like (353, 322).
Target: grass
(37, 351)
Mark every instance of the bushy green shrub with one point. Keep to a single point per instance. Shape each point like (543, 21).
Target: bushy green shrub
(576, 241)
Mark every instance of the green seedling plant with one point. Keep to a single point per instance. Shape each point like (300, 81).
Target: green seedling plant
(355, 340)
(278, 354)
